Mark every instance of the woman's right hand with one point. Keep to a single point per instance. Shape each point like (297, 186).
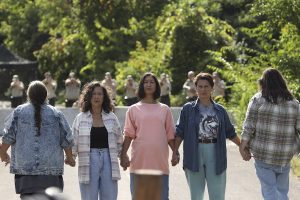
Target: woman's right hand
(175, 158)
(125, 163)
(245, 152)
(70, 161)
(5, 157)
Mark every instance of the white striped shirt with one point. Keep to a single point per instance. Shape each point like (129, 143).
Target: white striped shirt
(81, 131)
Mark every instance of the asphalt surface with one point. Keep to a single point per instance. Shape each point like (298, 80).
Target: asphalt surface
(242, 183)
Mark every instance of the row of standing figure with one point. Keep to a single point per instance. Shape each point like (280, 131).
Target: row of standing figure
(190, 87)
(203, 126)
(72, 85)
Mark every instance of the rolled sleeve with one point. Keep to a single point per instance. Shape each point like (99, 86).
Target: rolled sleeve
(119, 135)
(250, 120)
(10, 128)
(180, 124)
(129, 127)
(229, 128)
(298, 130)
(170, 127)
(65, 132)
(75, 133)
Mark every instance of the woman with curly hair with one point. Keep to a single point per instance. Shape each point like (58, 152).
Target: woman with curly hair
(98, 142)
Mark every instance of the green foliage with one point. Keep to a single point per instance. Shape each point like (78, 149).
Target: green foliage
(238, 38)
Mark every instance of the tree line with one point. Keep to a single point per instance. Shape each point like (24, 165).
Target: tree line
(238, 38)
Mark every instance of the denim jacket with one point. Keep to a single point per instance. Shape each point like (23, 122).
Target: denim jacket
(32, 154)
(187, 128)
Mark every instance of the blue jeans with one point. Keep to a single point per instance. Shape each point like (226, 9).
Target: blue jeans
(274, 180)
(101, 185)
(165, 190)
(216, 184)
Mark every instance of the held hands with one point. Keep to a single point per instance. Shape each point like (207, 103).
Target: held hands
(245, 152)
(70, 161)
(175, 158)
(125, 162)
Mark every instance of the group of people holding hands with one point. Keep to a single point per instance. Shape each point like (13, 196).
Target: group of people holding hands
(38, 134)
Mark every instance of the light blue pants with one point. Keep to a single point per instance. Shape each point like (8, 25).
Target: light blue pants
(274, 180)
(165, 189)
(101, 186)
(216, 184)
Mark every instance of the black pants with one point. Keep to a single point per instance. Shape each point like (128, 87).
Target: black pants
(165, 99)
(15, 101)
(189, 99)
(70, 102)
(52, 101)
(131, 101)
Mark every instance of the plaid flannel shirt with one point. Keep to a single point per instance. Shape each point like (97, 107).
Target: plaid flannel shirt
(272, 130)
(81, 131)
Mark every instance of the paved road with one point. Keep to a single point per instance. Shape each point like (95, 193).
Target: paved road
(242, 183)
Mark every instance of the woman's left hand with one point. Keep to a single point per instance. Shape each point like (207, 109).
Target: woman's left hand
(175, 158)
(70, 161)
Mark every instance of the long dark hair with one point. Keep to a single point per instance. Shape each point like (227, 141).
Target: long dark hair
(273, 86)
(86, 96)
(141, 90)
(37, 94)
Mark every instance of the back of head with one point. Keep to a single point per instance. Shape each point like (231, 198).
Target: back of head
(37, 92)
(273, 86)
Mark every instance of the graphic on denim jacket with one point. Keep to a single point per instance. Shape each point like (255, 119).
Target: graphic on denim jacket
(208, 126)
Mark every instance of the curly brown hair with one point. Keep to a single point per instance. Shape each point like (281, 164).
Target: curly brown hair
(86, 96)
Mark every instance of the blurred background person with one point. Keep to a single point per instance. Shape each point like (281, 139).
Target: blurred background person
(16, 90)
(110, 85)
(51, 87)
(98, 142)
(219, 86)
(165, 88)
(130, 91)
(38, 135)
(190, 87)
(72, 90)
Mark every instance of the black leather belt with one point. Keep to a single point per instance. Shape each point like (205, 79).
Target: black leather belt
(207, 141)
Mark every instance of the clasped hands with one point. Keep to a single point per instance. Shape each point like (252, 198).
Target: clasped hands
(70, 161)
(245, 152)
(175, 158)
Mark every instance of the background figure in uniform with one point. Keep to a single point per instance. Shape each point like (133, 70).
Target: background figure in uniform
(130, 91)
(38, 135)
(165, 88)
(16, 88)
(51, 87)
(72, 89)
(111, 86)
(219, 86)
(190, 87)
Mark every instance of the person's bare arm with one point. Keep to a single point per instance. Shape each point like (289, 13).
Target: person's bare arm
(125, 163)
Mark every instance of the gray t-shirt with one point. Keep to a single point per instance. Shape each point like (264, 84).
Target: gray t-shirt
(209, 123)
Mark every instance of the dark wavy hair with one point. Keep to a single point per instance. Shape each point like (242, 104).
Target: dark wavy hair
(274, 87)
(141, 91)
(37, 94)
(204, 76)
(86, 96)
